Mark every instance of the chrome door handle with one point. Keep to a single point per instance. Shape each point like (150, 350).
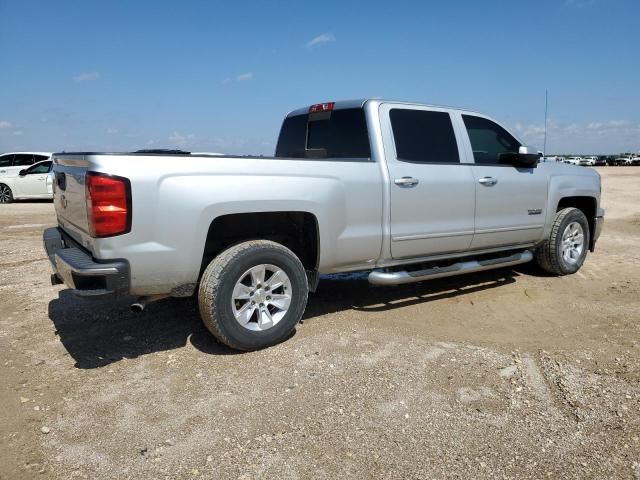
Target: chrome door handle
(406, 182)
(488, 181)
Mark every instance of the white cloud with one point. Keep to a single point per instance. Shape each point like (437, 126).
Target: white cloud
(5, 124)
(579, 3)
(610, 136)
(180, 140)
(320, 39)
(112, 130)
(18, 133)
(86, 77)
(243, 77)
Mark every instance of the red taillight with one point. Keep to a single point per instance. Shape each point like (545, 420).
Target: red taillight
(321, 107)
(108, 205)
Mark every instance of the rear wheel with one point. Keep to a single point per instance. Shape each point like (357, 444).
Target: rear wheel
(6, 196)
(565, 250)
(253, 294)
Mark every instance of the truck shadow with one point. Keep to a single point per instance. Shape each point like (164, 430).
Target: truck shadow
(97, 333)
(353, 292)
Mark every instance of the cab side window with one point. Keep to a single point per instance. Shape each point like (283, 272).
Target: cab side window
(489, 141)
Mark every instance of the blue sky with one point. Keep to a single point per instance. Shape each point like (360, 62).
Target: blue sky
(219, 76)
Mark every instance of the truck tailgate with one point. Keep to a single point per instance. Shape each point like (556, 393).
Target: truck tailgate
(69, 196)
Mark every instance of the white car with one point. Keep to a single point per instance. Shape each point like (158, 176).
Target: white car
(574, 160)
(34, 182)
(625, 160)
(635, 160)
(12, 162)
(589, 161)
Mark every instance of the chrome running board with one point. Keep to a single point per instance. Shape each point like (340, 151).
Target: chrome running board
(397, 278)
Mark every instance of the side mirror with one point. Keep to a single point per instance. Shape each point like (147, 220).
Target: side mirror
(22, 173)
(527, 157)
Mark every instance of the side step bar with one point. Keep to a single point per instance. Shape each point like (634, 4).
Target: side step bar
(397, 278)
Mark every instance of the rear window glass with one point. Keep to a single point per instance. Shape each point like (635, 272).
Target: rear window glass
(338, 134)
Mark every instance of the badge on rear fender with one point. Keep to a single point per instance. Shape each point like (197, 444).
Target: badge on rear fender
(535, 211)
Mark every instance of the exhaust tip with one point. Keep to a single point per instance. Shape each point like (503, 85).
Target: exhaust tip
(137, 307)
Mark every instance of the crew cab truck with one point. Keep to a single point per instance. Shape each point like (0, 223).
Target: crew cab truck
(408, 192)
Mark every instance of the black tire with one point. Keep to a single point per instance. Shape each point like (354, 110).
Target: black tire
(6, 196)
(220, 278)
(549, 255)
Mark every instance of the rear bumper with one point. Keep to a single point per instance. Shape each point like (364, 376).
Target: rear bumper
(76, 268)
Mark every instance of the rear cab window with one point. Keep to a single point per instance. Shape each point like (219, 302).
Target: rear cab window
(340, 133)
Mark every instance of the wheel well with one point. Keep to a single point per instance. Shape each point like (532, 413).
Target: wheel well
(298, 231)
(588, 206)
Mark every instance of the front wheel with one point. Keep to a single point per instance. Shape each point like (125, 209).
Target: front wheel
(253, 295)
(6, 196)
(563, 252)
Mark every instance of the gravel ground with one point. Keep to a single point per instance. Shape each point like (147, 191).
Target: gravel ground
(506, 374)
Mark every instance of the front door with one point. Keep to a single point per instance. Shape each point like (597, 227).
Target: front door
(432, 193)
(34, 182)
(510, 201)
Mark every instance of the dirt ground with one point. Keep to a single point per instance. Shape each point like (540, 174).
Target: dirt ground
(506, 374)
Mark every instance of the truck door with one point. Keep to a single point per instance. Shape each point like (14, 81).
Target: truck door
(510, 201)
(432, 192)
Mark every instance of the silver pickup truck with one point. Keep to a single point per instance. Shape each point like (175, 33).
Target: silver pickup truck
(408, 192)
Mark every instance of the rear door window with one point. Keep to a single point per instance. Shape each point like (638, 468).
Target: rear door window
(21, 160)
(423, 136)
(340, 133)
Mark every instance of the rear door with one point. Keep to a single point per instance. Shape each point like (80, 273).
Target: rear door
(510, 201)
(432, 193)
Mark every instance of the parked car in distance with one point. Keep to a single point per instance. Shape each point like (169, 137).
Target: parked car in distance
(405, 192)
(13, 162)
(601, 160)
(613, 161)
(635, 160)
(34, 182)
(574, 160)
(589, 161)
(625, 160)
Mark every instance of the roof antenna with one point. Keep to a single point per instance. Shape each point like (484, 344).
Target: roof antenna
(546, 109)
